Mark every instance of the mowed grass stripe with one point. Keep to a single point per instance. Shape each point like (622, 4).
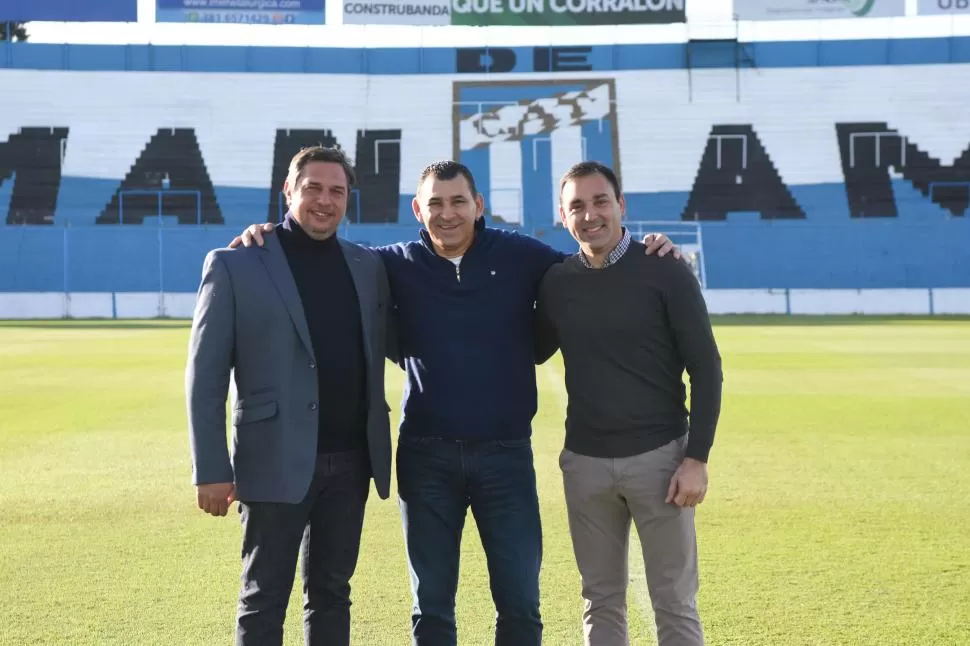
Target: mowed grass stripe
(839, 509)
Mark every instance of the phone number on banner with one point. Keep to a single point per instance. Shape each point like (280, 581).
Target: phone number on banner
(304, 15)
(245, 18)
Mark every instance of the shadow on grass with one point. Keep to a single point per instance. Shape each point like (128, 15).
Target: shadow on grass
(725, 320)
(98, 324)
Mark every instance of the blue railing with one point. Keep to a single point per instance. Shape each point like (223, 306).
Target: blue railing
(161, 194)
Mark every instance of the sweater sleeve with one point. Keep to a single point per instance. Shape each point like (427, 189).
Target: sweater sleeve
(541, 257)
(547, 340)
(691, 325)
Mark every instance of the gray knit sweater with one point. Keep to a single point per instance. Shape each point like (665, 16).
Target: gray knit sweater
(627, 333)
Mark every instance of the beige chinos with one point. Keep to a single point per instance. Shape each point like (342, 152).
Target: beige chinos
(603, 495)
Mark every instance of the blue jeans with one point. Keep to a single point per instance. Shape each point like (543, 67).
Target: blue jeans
(438, 480)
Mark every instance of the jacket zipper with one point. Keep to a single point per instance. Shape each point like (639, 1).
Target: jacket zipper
(458, 271)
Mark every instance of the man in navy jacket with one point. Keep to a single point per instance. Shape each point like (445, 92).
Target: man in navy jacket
(464, 297)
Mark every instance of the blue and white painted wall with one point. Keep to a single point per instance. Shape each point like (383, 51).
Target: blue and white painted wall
(824, 168)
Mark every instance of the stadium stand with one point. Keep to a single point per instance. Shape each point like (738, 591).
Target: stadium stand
(30, 160)
(169, 177)
(736, 175)
(800, 165)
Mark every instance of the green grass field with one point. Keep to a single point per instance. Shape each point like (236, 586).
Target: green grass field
(838, 513)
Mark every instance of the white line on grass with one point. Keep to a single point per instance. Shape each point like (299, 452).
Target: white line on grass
(638, 579)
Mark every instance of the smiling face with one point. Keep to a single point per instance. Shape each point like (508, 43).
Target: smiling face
(448, 209)
(317, 197)
(592, 212)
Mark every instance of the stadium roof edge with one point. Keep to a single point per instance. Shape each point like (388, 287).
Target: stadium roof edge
(448, 60)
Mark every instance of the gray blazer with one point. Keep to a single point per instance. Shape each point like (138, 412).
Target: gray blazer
(249, 323)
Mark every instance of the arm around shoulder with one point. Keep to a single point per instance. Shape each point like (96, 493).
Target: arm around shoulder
(207, 372)
(542, 256)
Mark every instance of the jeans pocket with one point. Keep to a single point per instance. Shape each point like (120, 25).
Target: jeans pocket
(517, 443)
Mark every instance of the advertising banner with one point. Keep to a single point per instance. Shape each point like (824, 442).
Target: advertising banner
(246, 12)
(817, 9)
(943, 7)
(533, 13)
(69, 10)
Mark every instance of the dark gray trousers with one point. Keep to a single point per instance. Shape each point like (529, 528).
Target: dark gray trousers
(324, 531)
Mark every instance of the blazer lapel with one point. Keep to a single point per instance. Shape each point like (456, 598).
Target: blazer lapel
(274, 260)
(359, 273)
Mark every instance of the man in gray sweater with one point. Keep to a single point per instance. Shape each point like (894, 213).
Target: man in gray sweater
(628, 324)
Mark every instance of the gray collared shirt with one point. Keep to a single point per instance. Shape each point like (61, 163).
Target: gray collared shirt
(615, 255)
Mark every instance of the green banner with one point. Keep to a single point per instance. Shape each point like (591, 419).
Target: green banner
(533, 13)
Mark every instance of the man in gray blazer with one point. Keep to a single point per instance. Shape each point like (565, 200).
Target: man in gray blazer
(299, 328)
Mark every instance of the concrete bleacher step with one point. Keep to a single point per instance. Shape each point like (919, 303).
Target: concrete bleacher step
(35, 157)
(737, 175)
(169, 178)
(871, 151)
(944, 186)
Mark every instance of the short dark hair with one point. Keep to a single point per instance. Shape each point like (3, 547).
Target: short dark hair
(447, 169)
(587, 168)
(322, 154)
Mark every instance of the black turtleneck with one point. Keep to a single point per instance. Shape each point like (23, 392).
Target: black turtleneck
(333, 316)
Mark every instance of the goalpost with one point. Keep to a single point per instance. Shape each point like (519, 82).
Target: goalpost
(686, 235)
